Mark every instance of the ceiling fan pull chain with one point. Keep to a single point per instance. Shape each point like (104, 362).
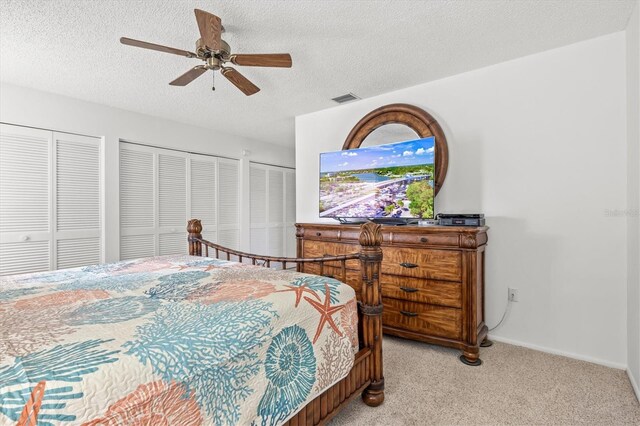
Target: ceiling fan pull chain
(213, 81)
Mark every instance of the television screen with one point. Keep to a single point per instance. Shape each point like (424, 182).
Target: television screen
(392, 181)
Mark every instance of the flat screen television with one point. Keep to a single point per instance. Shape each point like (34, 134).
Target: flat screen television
(392, 181)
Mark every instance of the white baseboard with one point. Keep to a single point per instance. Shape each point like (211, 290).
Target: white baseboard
(562, 353)
(634, 385)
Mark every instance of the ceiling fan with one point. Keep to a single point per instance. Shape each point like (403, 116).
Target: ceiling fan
(215, 53)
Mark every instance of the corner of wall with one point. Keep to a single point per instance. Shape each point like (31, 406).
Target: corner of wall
(634, 384)
(633, 197)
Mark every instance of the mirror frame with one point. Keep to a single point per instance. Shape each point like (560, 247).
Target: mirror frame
(415, 118)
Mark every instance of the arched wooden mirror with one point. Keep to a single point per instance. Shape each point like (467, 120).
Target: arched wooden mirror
(401, 122)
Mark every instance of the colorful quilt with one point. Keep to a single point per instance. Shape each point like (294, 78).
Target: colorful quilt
(171, 340)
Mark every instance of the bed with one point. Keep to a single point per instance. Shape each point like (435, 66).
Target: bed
(234, 338)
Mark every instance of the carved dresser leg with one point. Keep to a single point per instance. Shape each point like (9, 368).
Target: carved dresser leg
(471, 356)
(486, 343)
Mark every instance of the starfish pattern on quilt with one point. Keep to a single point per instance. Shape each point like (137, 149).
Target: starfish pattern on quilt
(326, 312)
(299, 290)
(30, 411)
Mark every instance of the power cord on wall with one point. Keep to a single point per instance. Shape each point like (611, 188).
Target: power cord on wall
(504, 315)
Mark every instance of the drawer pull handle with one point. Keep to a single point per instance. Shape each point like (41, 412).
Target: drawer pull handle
(409, 289)
(423, 239)
(408, 265)
(409, 314)
(318, 234)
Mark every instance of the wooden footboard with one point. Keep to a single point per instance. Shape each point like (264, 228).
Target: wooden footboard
(366, 377)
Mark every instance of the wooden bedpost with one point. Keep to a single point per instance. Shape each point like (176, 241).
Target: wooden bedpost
(371, 308)
(194, 228)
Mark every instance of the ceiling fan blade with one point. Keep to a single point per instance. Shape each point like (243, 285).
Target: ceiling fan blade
(210, 27)
(158, 47)
(240, 81)
(189, 76)
(282, 60)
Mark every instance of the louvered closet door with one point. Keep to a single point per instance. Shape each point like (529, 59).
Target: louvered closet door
(76, 206)
(272, 198)
(137, 201)
(290, 213)
(275, 203)
(203, 173)
(172, 202)
(258, 209)
(161, 189)
(25, 188)
(228, 203)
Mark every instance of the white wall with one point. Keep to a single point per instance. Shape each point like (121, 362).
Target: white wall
(633, 196)
(539, 145)
(34, 108)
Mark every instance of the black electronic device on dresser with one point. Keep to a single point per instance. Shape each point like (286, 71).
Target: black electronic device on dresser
(461, 219)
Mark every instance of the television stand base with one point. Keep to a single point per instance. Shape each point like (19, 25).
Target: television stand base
(350, 221)
(391, 221)
(394, 221)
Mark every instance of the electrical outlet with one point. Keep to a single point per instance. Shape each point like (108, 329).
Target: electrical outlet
(513, 294)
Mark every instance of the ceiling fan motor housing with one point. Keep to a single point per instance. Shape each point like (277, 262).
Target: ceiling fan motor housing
(204, 53)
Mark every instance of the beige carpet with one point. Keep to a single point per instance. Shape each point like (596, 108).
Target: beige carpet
(426, 384)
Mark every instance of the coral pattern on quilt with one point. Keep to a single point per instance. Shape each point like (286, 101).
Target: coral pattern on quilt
(170, 340)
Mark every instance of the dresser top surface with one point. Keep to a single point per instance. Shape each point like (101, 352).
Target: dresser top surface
(402, 228)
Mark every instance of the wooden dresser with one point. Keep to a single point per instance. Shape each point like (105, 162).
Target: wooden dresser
(432, 279)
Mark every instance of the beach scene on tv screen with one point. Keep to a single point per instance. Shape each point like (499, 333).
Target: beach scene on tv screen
(384, 181)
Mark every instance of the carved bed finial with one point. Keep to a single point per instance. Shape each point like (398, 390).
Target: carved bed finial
(194, 226)
(370, 234)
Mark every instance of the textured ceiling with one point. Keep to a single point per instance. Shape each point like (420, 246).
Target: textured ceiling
(71, 47)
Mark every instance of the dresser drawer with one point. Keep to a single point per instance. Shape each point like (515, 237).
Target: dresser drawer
(447, 240)
(322, 249)
(321, 234)
(353, 277)
(422, 318)
(443, 293)
(423, 263)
